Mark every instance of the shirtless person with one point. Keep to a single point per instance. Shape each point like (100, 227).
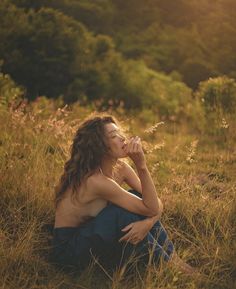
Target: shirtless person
(94, 212)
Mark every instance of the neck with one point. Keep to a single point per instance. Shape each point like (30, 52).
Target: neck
(108, 165)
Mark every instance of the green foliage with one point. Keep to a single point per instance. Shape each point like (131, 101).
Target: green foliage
(110, 78)
(10, 92)
(194, 38)
(218, 93)
(57, 44)
(45, 48)
(51, 49)
(218, 97)
(132, 83)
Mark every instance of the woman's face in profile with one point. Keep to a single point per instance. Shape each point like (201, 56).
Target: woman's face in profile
(115, 140)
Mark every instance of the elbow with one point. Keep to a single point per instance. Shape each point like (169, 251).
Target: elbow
(158, 210)
(153, 213)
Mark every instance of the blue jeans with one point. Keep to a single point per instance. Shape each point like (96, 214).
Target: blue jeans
(99, 238)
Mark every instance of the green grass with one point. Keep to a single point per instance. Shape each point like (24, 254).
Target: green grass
(194, 174)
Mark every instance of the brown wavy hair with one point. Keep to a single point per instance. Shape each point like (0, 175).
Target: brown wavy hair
(87, 151)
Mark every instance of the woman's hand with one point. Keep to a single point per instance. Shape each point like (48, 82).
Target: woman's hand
(134, 150)
(137, 231)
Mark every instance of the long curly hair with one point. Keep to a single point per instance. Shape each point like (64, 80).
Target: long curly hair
(87, 150)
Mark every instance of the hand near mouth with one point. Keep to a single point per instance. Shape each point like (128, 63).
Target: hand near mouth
(134, 150)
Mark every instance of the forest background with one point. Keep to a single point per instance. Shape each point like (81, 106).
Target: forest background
(135, 52)
(166, 68)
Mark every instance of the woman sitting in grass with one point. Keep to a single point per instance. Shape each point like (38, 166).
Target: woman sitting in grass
(95, 216)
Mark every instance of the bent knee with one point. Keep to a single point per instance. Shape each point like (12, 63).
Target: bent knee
(123, 212)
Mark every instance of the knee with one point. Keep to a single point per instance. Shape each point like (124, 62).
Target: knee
(119, 210)
(123, 213)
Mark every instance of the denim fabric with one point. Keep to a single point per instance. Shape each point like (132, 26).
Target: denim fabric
(99, 238)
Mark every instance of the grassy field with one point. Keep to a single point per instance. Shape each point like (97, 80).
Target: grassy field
(194, 174)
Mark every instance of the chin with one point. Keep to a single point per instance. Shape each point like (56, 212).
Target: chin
(122, 155)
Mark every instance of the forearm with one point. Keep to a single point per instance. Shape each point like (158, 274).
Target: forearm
(152, 220)
(149, 194)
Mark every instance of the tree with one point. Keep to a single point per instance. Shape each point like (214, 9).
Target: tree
(44, 47)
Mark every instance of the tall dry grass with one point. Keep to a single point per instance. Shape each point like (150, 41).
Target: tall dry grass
(194, 175)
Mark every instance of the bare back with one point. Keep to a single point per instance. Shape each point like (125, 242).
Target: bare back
(84, 207)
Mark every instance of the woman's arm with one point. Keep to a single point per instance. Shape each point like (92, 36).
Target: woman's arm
(133, 181)
(103, 187)
(135, 152)
(136, 231)
(131, 178)
(106, 188)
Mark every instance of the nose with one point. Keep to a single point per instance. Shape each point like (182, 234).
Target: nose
(122, 137)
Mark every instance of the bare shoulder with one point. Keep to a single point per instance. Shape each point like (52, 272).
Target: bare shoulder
(131, 178)
(126, 166)
(127, 169)
(95, 181)
(121, 163)
(122, 166)
(97, 184)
